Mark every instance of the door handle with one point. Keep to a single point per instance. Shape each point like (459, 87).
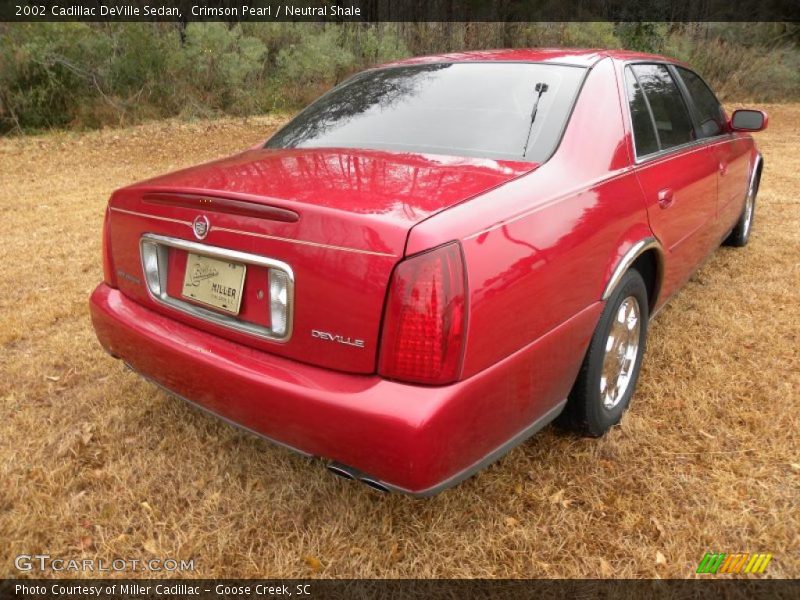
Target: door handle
(723, 168)
(666, 198)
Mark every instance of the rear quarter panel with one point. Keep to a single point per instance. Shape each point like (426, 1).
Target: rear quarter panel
(540, 249)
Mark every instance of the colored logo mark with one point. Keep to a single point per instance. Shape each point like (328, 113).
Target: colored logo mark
(716, 563)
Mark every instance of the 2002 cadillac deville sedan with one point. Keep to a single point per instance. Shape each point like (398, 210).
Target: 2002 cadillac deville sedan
(433, 260)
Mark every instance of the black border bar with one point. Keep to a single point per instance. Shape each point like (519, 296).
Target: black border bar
(707, 587)
(186, 11)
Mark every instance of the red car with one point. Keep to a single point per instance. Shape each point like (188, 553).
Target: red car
(433, 260)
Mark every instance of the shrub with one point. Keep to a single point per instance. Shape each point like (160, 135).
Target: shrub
(217, 68)
(95, 74)
(643, 37)
(47, 70)
(315, 62)
(739, 72)
(376, 45)
(590, 35)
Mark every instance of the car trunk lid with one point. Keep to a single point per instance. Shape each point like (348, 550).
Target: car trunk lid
(336, 220)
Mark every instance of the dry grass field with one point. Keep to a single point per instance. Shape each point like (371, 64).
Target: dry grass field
(97, 463)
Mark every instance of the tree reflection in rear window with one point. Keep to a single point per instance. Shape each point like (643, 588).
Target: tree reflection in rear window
(460, 109)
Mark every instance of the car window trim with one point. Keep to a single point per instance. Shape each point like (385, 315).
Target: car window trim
(638, 160)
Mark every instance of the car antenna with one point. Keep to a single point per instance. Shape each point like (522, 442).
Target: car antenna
(540, 88)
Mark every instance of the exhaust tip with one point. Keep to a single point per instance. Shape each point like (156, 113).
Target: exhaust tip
(341, 471)
(352, 474)
(375, 485)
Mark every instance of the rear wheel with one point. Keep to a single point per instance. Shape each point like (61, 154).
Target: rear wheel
(741, 232)
(610, 369)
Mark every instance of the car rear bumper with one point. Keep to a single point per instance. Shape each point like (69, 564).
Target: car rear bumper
(411, 439)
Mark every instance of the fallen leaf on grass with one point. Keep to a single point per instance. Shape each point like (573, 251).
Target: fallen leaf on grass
(314, 563)
(659, 527)
(558, 498)
(395, 548)
(660, 559)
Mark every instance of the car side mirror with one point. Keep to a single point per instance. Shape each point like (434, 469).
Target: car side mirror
(749, 120)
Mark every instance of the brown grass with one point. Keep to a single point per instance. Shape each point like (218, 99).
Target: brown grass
(94, 462)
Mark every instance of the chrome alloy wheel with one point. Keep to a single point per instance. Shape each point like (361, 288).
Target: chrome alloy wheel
(622, 348)
(748, 213)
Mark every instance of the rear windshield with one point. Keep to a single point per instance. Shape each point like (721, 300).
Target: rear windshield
(461, 109)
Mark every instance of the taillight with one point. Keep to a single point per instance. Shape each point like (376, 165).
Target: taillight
(109, 276)
(425, 318)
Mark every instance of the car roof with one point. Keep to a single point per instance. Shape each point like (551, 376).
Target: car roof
(579, 57)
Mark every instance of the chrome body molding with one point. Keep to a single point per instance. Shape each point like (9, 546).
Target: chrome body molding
(153, 253)
(631, 255)
(190, 225)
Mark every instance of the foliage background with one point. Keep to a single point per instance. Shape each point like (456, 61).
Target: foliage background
(80, 75)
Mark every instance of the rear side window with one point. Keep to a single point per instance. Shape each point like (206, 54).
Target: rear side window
(644, 134)
(710, 113)
(669, 113)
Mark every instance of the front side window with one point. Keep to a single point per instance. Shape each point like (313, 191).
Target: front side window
(461, 109)
(669, 113)
(711, 114)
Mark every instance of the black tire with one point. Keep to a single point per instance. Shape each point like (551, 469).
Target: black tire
(740, 235)
(585, 411)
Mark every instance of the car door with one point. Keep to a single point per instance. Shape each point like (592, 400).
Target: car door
(676, 171)
(732, 150)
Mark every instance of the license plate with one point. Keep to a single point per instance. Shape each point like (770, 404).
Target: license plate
(216, 283)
